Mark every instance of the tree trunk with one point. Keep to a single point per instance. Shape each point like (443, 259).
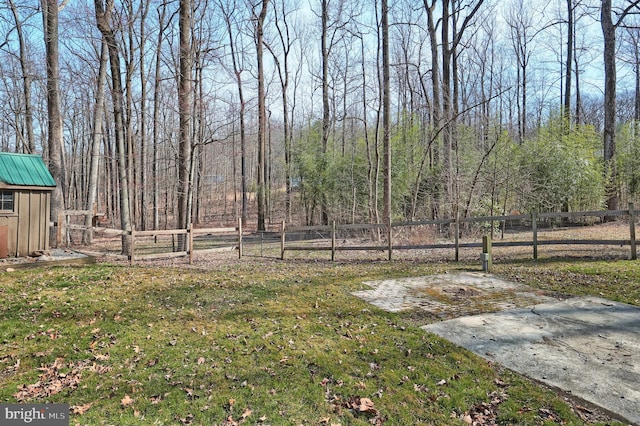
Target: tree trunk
(578, 111)
(326, 118)
(436, 114)
(372, 170)
(262, 122)
(54, 122)
(156, 118)
(634, 41)
(569, 62)
(26, 82)
(185, 101)
(103, 17)
(386, 116)
(96, 138)
(447, 112)
(283, 75)
(243, 148)
(144, 144)
(609, 141)
(131, 156)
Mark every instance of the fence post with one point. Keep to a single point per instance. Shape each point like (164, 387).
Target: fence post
(239, 238)
(333, 241)
(282, 240)
(131, 244)
(190, 242)
(60, 230)
(456, 229)
(534, 229)
(632, 231)
(487, 253)
(389, 240)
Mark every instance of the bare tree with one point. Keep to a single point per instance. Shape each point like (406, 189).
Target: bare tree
(50, 21)
(162, 10)
(569, 59)
(436, 99)
(520, 23)
(185, 101)
(30, 145)
(142, 172)
(96, 138)
(286, 40)
(326, 117)
(373, 164)
(228, 10)
(575, 11)
(262, 117)
(609, 27)
(632, 57)
(386, 116)
(103, 20)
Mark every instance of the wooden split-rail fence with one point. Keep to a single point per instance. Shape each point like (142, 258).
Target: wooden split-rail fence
(328, 240)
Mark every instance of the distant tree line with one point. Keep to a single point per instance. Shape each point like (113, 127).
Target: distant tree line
(165, 113)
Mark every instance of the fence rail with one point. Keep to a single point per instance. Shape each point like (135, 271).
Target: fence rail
(65, 225)
(535, 219)
(534, 233)
(187, 241)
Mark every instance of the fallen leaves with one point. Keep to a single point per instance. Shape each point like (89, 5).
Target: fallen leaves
(230, 421)
(53, 380)
(365, 406)
(485, 413)
(126, 401)
(12, 368)
(60, 377)
(548, 415)
(361, 405)
(99, 368)
(101, 357)
(247, 412)
(50, 333)
(191, 394)
(80, 409)
(187, 420)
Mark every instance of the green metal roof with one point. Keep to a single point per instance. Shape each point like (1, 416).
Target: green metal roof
(24, 170)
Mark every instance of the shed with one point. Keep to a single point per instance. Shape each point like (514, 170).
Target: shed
(25, 202)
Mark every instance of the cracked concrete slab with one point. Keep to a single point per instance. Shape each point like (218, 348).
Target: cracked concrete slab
(450, 295)
(588, 347)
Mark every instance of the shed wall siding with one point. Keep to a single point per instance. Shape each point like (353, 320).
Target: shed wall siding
(24, 223)
(28, 229)
(11, 222)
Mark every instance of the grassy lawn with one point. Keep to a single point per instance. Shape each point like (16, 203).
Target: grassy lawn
(262, 342)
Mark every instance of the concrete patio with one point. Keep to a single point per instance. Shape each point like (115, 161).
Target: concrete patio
(585, 346)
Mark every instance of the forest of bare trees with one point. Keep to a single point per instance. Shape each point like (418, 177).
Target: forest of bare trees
(165, 113)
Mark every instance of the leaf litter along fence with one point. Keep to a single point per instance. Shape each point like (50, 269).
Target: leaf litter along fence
(518, 235)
